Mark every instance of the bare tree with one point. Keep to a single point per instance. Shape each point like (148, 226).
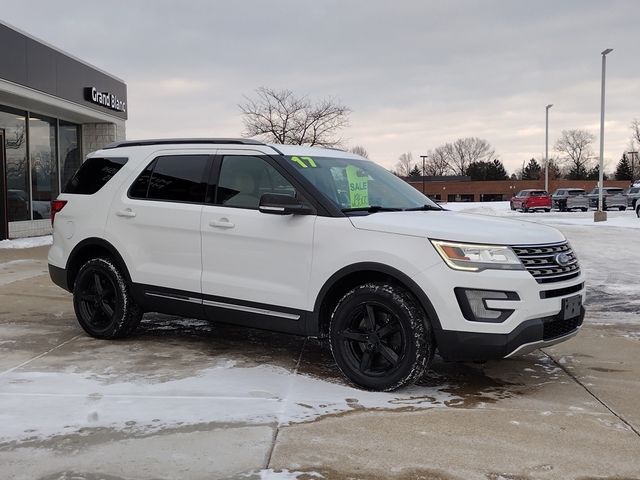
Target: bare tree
(437, 162)
(635, 131)
(282, 117)
(574, 146)
(360, 150)
(464, 151)
(405, 164)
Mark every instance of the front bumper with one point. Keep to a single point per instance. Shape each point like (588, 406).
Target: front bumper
(536, 317)
(527, 337)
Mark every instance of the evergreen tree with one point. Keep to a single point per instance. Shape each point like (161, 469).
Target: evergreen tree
(623, 170)
(415, 172)
(594, 174)
(496, 170)
(477, 170)
(533, 170)
(579, 172)
(493, 170)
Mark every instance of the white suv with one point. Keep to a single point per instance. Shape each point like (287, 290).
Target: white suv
(306, 241)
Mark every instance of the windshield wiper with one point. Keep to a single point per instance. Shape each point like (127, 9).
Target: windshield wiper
(423, 207)
(371, 209)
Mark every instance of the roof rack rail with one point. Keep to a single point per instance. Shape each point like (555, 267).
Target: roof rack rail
(182, 141)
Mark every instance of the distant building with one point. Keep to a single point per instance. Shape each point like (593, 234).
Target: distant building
(54, 109)
(462, 189)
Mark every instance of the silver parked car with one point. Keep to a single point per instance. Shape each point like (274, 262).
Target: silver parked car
(612, 197)
(567, 199)
(633, 194)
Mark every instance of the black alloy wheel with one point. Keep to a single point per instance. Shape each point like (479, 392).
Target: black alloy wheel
(102, 301)
(380, 337)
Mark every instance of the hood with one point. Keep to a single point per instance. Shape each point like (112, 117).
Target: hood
(460, 227)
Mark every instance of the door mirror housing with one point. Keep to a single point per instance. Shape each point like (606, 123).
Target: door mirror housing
(283, 204)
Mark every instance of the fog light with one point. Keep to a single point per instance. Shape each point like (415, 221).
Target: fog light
(473, 304)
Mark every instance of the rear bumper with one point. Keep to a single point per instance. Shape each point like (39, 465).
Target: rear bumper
(59, 276)
(526, 337)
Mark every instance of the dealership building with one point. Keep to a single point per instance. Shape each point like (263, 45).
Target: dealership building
(54, 109)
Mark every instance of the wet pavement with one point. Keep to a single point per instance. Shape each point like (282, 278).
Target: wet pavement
(186, 399)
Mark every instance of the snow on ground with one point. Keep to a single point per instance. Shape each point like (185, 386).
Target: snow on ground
(30, 242)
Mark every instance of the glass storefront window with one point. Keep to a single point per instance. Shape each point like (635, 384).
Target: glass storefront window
(44, 165)
(14, 124)
(70, 158)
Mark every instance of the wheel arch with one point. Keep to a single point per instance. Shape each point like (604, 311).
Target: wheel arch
(92, 248)
(357, 274)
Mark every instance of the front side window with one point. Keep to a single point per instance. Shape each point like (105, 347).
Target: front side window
(359, 184)
(244, 179)
(177, 178)
(93, 175)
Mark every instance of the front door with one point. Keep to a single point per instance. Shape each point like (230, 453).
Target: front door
(4, 208)
(256, 266)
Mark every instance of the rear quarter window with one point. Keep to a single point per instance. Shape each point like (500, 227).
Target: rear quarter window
(94, 174)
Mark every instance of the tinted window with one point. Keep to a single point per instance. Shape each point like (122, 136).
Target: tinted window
(576, 192)
(93, 175)
(537, 193)
(178, 178)
(244, 179)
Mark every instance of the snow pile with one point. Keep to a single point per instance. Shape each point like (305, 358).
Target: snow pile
(30, 242)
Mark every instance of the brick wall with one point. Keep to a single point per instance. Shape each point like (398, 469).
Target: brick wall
(506, 188)
(97, 135)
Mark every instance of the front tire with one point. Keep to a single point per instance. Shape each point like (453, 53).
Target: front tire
(380, 337)
(102, 300)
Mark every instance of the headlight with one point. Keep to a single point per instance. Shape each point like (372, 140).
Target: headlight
(475, 258)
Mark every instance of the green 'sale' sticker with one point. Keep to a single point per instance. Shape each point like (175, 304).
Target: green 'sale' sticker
(358, 187)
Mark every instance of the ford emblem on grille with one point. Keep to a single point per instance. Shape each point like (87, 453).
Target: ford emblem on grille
(562, 259)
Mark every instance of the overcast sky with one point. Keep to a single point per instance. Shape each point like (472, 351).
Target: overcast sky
(415, 73)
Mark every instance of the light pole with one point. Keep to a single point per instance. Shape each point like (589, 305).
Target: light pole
(423, 157)
(546, 148)
(600, 215)
(633, 165)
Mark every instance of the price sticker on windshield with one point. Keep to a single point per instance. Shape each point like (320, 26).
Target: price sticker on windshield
(358, 187)
(304, 162)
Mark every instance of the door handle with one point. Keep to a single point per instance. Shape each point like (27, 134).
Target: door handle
(223, 223)
(126, 213)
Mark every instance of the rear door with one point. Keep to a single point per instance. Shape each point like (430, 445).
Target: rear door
(256, 266)
(159, 216)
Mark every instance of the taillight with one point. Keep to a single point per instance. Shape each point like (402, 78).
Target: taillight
(56, 206)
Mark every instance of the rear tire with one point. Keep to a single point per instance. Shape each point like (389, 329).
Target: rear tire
(102, 300)
(380, 337)
(638, 210)
(622, 209)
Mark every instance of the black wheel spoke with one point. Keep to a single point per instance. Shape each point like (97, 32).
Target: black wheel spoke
(370, 318)
(365, 361)
(388, 354)
(359, 337)
(106, 308)
(388, 329)
(97, 284)
(89, 298)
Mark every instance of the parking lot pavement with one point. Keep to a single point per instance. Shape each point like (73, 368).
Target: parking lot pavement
(184, 399)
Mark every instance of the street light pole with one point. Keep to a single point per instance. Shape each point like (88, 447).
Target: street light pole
(546, 148)
(633, 165)
(423, 157)
(600, 215)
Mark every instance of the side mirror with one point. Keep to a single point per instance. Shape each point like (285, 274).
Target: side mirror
(282, 204)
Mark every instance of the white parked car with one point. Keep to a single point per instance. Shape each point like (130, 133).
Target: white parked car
(306, 241)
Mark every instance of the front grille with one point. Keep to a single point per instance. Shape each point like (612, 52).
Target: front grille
(540, 261)
(558, 328)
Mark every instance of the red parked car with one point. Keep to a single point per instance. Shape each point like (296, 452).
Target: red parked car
(528, 200)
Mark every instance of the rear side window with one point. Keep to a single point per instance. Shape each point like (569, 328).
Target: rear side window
(177, 178)
(93, 175)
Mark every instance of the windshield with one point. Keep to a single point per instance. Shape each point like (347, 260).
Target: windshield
(360, 184)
